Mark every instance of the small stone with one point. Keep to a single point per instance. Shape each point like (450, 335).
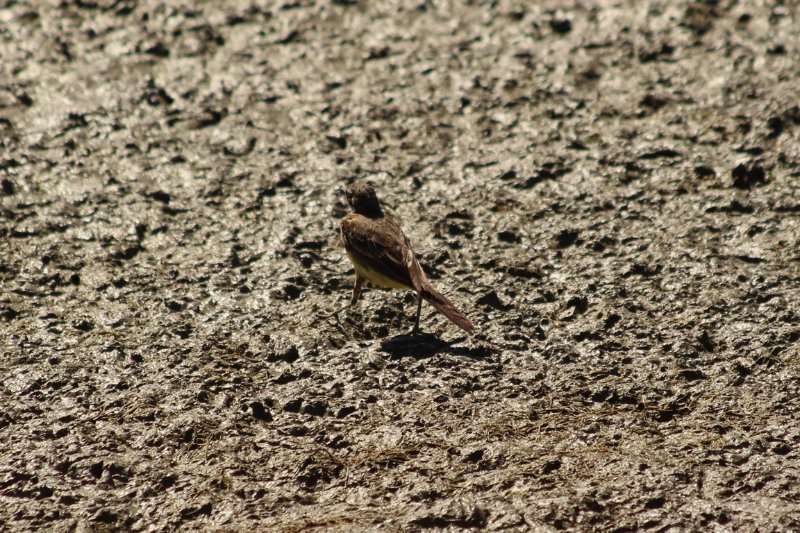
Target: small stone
(339, 142)
(298, 431)
(260, 412)
(561, 26)
(704, 172)
(159, 196)
(781, 449)
(655, 503)
(579, 303)
(289, 355)
(692, 375)
(746, 178)
(345, 411)
(705, 342)
(491, 299)
(106, 516)
(190, 513)
(83, 324)
(293, 406)
(566, 238)
(508, 236)
(474, 456)
(551, 466)
(96, 470)
(8, 187)
(611, 321)
(158, 50)
(315, 408)
(594, 506)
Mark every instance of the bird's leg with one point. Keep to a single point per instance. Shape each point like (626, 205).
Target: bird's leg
(419, 310)
(357, 291)
(356, 295)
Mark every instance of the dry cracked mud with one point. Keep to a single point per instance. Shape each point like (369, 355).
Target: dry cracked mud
(609, 189)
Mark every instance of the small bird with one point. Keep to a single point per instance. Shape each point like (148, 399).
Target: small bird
(382, 255)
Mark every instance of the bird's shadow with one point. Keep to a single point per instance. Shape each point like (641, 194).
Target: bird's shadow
(425, 345)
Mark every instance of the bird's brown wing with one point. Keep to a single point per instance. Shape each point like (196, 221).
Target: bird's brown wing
(381, 246)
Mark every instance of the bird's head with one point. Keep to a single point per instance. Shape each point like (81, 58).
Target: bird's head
(362, 199)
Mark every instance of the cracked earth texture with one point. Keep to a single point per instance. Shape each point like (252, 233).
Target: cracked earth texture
(609, 189)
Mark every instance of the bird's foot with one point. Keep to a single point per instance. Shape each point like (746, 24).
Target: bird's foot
(343, 308)
(336, 313)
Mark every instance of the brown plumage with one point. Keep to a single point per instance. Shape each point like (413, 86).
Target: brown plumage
(382, 255)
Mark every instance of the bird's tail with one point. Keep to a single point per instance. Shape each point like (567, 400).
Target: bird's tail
(446, 307)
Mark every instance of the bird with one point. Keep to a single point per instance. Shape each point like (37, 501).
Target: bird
(383, 257)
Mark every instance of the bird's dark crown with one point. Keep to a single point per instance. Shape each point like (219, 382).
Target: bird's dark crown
(362, 199)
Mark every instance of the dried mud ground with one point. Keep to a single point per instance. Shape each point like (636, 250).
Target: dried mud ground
(610, 190)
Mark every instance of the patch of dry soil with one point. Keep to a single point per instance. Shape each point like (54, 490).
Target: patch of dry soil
(610, 190)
